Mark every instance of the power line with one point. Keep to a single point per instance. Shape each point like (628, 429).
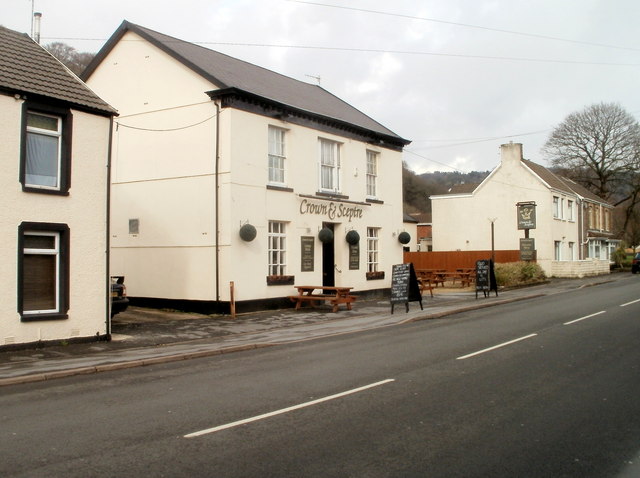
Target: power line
(466, 25)
(378, 50)
(462, 142)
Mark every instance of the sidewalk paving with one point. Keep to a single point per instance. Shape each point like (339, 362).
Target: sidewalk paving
(143, 336)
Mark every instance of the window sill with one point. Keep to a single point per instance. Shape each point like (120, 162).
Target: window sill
(374, 201)
(274, 187)
(39, 317)
(331, 195)
(54, 192)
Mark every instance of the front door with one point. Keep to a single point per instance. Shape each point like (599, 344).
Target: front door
(328, 260)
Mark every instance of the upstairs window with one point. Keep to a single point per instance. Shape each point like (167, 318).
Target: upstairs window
(570, 215)
(46, 150)
(329, 166)
(276, 156)
(372, 174)
(556, 207)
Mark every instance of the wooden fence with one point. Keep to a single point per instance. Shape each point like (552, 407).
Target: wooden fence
(452, 260)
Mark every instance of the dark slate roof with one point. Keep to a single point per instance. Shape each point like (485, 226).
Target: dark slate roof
(227, 72)
(561, 183)
(27, 68)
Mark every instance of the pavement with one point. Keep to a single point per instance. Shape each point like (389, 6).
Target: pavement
(142, 336)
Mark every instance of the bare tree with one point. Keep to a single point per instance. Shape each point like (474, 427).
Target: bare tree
(74, 60)
(597, 147)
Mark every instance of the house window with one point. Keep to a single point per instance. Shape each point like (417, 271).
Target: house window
(46, 150)
(572, 251)
(556, 207)
(372, 249)
(276, 156)
(277, 248)
(43, 265)
(329, 166)
(556, 250)
(570, 216)
(372, 173)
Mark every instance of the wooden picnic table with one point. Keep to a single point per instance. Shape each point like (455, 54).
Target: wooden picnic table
(334, 295)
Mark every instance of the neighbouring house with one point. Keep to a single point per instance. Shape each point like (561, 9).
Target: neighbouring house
(424, 234)
(572, 234)
(228, 173)
(54, 147)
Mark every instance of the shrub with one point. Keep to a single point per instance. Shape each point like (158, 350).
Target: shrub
(518, 273)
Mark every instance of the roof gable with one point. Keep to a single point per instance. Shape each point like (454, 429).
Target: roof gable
(27, 68)
(230, 73)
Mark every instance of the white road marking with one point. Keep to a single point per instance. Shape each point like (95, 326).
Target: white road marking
(585, 317)
(629, 303)
(286, 410)
(496, 346)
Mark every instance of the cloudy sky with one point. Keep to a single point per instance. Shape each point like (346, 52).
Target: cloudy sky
(456, 77)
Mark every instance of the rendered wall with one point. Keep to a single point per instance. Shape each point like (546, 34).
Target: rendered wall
(83, 210)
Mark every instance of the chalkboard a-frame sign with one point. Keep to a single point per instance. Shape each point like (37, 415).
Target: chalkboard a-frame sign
(404, 286)
(485, 277)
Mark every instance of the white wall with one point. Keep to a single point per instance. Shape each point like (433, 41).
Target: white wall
(83, 210)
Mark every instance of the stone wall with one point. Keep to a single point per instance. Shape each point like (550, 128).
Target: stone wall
(588, 267)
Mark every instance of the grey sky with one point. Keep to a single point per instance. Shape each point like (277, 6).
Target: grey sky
(455, 90)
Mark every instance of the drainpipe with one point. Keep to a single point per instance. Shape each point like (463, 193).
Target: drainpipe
(108, 230)
(217, 211)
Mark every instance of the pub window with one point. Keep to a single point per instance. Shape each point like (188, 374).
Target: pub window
(46, 150)
(43, 264)
(277, 250)
(556, 207)
(572, 251)
(372, 173)
(570, 210)
(373, 249)
(277, 156)
(329, 165)
(556, 250)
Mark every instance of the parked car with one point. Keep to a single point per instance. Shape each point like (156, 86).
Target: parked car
(635, 263)
(119, 301)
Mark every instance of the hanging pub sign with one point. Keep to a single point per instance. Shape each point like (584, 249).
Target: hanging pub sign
(527, 249)
(526, 215)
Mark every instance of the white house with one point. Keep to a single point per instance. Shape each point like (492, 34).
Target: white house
(572, 225)
(54, 147)
(225, 172)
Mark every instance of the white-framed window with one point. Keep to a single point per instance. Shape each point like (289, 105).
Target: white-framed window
(43, 265)
(372, 174)
(329, 165)
(556, 250)
(570, 213)
(572, 251)
(277, 249)
(556, 207)
(43, 151)
(277, 156)
(373, 249)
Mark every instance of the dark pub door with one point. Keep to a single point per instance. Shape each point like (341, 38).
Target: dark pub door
(328, 259)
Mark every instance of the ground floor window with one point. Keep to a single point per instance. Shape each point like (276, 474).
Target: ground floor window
(556, 250)
(572, 251)
(43, 265)
(277, 248)
(372, 249)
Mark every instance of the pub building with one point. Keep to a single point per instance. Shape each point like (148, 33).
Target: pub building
(230, 180)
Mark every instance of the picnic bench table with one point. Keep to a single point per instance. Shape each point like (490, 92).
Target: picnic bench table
(334, 295)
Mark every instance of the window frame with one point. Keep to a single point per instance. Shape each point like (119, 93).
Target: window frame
(556, 207)
(65, 118)
(373, 249)
(61, 232)
(372, 174)
(277, 256)
(334, 167)
(274, 154)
